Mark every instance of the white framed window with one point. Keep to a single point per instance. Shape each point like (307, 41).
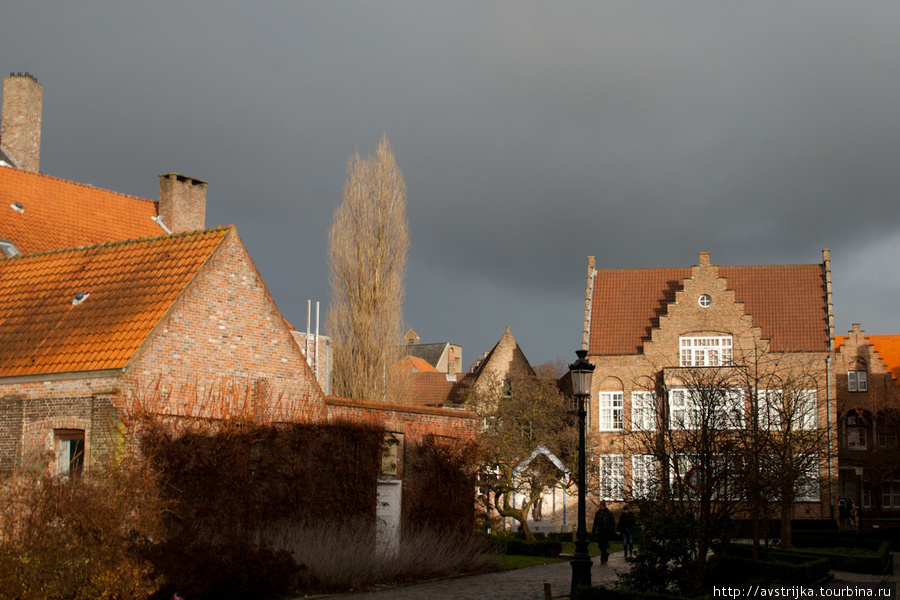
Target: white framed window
(612, 411)
(684, 410)
(857, 438)
(802, 404)
(725, 408)
(806, 488)
(706, 351)
(643, 411)
(887, 438)
(69, 454)
(890, 491)
(611, 473)
(644, 474)
(857, 381)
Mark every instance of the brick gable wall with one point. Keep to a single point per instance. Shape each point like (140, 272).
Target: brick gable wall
(226, 329)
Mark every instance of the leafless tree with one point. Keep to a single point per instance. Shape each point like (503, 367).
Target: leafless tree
(520, 418)
(367, 247)
(731, 440)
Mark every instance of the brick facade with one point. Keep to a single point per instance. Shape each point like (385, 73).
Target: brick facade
(639, 350)
(869, 422)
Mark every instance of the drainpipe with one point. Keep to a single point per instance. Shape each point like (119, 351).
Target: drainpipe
(828, 421)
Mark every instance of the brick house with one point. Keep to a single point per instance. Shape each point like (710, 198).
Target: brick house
(180, 325)
(110, 304)
(654, 335)
(868, 405)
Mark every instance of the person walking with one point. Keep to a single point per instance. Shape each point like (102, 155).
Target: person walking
(604, 528)
(626, 530)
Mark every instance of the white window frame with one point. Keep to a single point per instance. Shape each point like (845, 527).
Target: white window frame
(644, 474)
(806, 488)
(686, 411)
(857, 438)
(611, 479)
(643, 411)
(857, 380)
(612, 411)
(890, 491)
(706, 351)
(770, 407)
(70, 453)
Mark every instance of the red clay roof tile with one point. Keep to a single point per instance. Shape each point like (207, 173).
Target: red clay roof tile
(128, 288)
(57, 213)
(786, 301)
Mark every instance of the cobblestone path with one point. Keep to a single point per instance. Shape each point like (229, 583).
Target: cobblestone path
(518, 584)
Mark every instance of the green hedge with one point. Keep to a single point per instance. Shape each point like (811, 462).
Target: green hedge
(861, 557)
(546, 548)
(865, 561)
(790, 568)
(602, 593)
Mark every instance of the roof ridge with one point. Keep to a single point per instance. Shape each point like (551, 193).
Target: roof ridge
(209, 230)
(79, 184)
(768, 266)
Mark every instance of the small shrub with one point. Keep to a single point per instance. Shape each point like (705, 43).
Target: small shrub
(81, 539)
(664, 560)
(224, 570)
(344, 556)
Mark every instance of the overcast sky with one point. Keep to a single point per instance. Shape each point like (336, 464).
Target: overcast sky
(531, 135)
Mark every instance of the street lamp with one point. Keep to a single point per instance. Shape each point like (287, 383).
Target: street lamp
(581, 371)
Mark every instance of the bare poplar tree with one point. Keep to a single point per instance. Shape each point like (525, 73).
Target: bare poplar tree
(367, 247)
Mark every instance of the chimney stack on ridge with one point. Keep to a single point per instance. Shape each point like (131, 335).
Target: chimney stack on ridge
(182, 202)
(20, 125)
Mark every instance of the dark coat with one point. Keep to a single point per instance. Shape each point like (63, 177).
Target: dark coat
(604, 522)
(626, 523)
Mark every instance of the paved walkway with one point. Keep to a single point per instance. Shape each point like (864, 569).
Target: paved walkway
(518, 584)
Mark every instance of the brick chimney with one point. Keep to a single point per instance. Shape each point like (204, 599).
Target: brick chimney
(20, 125)
(182, 202)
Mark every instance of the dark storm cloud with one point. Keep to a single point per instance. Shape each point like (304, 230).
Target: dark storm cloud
(531, 136)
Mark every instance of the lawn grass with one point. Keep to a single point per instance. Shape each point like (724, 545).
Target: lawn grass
(505, 561)
(569, 547)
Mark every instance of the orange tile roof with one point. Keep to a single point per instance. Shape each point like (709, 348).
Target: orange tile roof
(63, 214)
(887, 347)
(131, 285)
(413, 364)
(429, 389)
(786, 301)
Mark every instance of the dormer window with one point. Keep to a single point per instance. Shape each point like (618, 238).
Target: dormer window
(706, 351)
(7, 248)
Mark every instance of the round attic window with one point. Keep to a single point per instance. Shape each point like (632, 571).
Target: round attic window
(705, 300)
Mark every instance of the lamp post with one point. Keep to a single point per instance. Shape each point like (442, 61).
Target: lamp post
(581, 371)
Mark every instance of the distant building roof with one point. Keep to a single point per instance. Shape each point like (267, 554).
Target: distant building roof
(413, 364)
(887, 347)
(86, 309)
(431, 353)
(55, 213)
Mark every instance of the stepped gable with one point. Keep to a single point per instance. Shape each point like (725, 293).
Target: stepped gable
(787, 303)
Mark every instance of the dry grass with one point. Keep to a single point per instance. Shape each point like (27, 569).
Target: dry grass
(343, 557)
